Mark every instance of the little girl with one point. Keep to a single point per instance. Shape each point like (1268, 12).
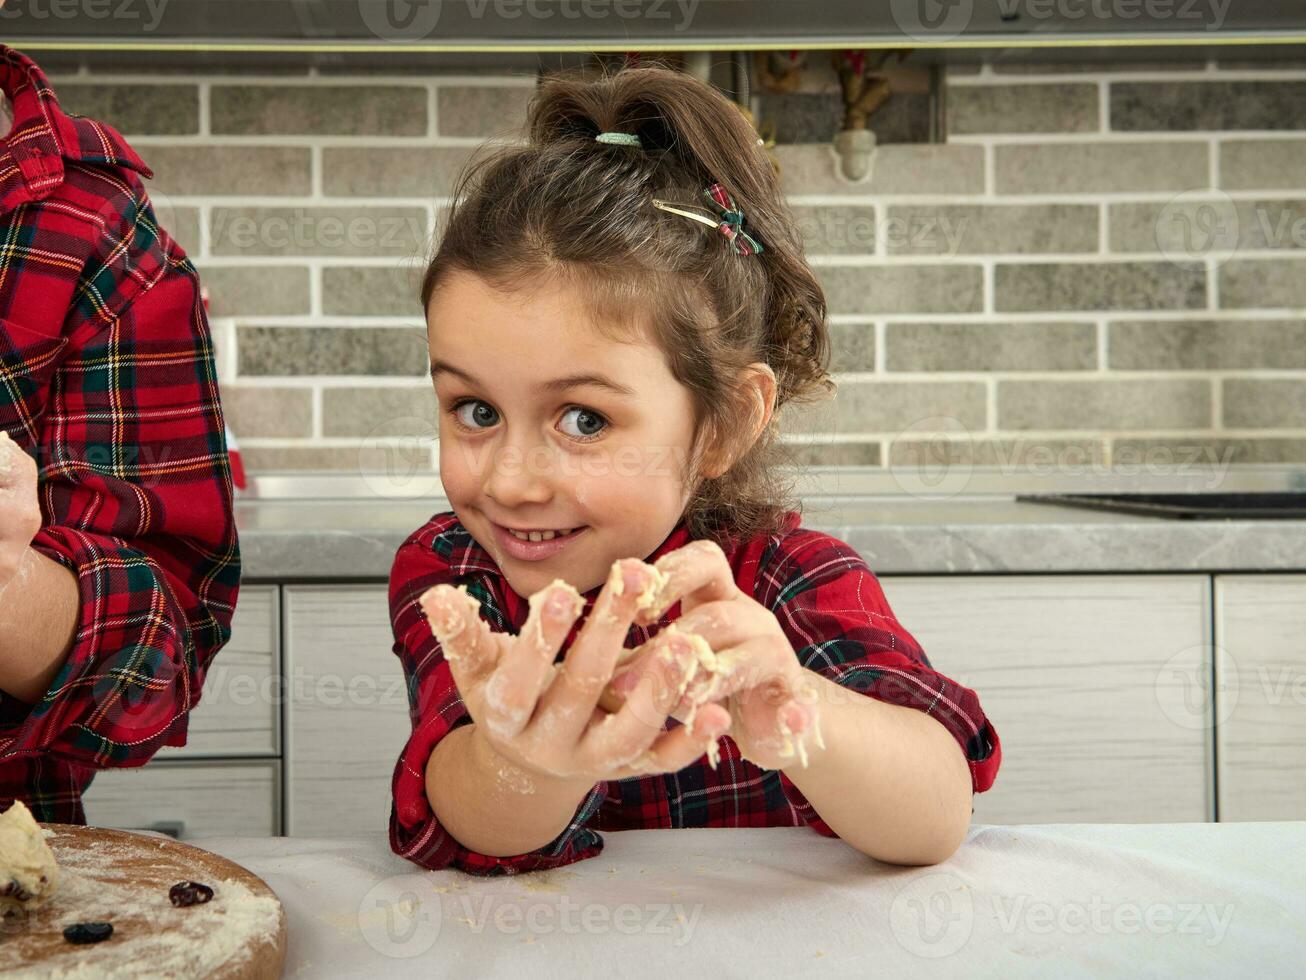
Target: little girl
(616, 311)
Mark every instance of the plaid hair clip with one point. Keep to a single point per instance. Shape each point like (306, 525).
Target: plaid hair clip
(729, 218)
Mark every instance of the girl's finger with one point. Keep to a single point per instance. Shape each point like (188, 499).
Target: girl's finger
(621, 737)
(697, 573)
(681, 746)
(777, 722)
(631, 664)
(725, 623)
(465, 639)
(641, 660)
(724, 673)
(757, 664)
(511, 692)
(570, 699)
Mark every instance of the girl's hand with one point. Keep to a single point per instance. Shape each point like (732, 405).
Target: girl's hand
(20, 510)
(769, 696)
(543, 719)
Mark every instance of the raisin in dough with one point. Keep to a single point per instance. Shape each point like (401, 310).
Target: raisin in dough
(28, 872)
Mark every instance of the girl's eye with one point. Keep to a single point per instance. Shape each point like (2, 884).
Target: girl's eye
(474, 414)
(481, 412)
(589, 423)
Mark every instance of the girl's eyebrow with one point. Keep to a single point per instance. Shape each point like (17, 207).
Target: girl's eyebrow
(557, 384)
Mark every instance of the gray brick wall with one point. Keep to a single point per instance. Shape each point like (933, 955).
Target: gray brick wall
(1103, 264)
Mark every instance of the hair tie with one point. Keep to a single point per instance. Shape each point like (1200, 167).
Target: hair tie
(729, 218)
(620, 139)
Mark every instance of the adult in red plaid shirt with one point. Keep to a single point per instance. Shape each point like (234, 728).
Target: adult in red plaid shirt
(119, 563)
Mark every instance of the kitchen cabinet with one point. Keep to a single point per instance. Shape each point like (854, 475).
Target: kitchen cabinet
(1259, 702)
(346, 710)
(189, 799)
(1088, 680)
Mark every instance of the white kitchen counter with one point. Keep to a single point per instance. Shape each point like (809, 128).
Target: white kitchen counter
(1093, 900)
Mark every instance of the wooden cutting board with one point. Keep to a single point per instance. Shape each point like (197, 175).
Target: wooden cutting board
(123, 878)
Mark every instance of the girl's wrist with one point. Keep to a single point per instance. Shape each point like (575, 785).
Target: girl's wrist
(491, 760)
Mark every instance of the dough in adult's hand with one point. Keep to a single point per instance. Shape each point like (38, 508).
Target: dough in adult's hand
(28, 872)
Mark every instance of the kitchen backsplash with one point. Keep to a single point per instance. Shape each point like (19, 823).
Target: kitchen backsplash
(1102, 264)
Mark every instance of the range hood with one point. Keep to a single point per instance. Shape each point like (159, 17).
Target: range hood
(416, 30)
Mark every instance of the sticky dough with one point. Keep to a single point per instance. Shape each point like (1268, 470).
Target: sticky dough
(651, 597)
(28, 872)
(707, 670)
(704, 678)
(537, 598)
(704, 669)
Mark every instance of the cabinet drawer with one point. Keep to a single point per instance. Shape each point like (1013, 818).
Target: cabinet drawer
(1088, 681)
(194, 799)
(347, 711)
(239, 712)
(1260, 696)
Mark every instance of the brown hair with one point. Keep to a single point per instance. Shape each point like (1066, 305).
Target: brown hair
(564, 205)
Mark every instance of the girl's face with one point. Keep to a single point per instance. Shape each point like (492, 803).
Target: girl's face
(546, 424)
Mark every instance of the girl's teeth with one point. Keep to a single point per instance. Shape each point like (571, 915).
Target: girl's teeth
(537, 536)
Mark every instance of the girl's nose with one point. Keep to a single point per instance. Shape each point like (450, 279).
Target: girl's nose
(520, 476)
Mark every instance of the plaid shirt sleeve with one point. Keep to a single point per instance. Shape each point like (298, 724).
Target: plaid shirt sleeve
(107, 377)
(834, 612)
(437, 709)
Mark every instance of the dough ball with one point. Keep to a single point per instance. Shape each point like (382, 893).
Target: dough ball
(28, 872)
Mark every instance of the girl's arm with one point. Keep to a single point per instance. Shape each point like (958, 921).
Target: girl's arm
(906, 747)
(891, 781)
(489, 805)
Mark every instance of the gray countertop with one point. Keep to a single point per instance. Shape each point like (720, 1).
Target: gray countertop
(356, 539)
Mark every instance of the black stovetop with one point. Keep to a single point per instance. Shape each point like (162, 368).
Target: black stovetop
(1185, 506)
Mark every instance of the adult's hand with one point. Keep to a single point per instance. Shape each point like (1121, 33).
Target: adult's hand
(20, 512)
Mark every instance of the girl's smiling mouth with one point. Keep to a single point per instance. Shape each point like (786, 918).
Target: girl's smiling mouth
(547, 545)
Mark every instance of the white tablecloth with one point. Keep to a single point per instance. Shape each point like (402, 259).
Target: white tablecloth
(1191, 900)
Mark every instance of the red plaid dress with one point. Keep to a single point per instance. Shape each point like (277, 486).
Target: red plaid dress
(830, 606)
(107, 379)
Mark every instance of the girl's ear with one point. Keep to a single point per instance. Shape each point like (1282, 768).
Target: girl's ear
(761, 381)
(754, 398)
(714, 459)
